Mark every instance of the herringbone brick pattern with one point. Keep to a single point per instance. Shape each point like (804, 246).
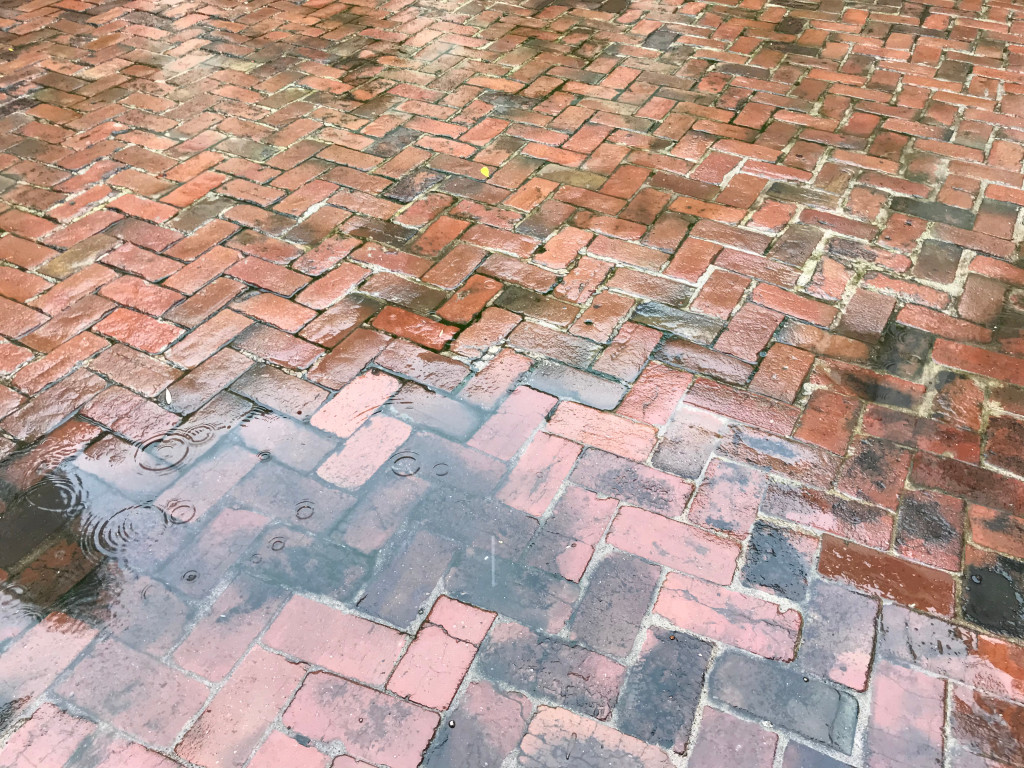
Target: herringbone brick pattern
(729, 296)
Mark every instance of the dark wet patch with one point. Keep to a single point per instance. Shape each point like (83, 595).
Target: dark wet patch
(994, 596)
(773, 562)
(660, 697)
(903, 351)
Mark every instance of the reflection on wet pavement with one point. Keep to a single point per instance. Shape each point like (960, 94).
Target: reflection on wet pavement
(454, 585)
(476, 385)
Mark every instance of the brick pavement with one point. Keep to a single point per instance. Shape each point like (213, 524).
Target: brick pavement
(401, 383)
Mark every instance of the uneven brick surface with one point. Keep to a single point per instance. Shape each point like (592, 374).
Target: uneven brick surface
(542, 384)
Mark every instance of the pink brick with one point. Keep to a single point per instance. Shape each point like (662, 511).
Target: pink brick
(676, 545)
(461, 621)
(280, 751)
(728, 497)
(345, 644)
(355, 403)
(49, 738)
(907, 715)
(33, 662)
(235, 721)
(655, 395)
(539, 474)
(504, 433)
(725, 741)
(432, 669)
(240, 613)
(365, 452)
(375, 727)
(720, 614)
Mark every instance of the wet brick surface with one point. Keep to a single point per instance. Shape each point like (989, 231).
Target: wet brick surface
(633, 384)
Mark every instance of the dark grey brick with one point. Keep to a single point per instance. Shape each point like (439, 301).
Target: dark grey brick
(774, 692)
(408, 576)
(933, 211)
(614, 603)
(660, 696)
(700, 329)
(801, 756)
(529, 595)
(775, 563)
(576, 678)
(572, 384)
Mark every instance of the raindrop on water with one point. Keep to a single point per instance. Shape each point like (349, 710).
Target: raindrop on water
(179, 512)
(190, 576)
(405, 464)
(277, 544)
(304, 510)
(441, 469)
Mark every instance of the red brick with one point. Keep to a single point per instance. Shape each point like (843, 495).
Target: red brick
(629, 253)
(794, 305)
(987, 725)
(748, 332)
(325, 291)
(1001, 531)
(239, 614)
(782, 372)
(487, 388)
(58, 363)
(875, 472)
(463, 622)
(607, 431)
(720, 294)
(493, 326)
(886, 576)
(469, 300)
(720, 614)
(139, 331)
(423, 366)
(866, 315)
(555, 733)
(850, 519)
(655, 395)
(233, 724)
(328, 708)
(980, 361)
(414, 327)
(37, 658)
(50, 737)
(828, 420)
(728, 497)
(750, 408)
(278, 311)
(724, 740)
